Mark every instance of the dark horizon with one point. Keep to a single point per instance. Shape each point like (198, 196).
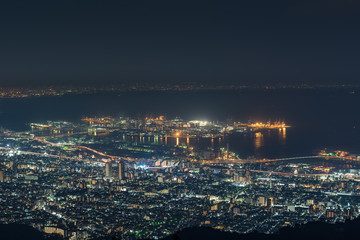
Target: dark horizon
(184, 85)
(60, 43)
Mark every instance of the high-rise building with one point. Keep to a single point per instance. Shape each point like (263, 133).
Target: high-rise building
(108, 169)
(248, 176)
(262, 201)
(310, 202)
(330, 214)
(121, 170)
(349, 212)
(239, 178)
(1, 176)
(270, 202)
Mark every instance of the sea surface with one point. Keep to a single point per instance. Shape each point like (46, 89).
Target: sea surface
(326, 118)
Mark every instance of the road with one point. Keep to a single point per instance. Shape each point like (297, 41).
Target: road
(51, 155)
(112, 157)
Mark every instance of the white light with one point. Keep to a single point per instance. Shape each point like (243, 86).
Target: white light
(143, 166)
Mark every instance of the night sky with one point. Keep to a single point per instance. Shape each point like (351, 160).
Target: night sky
(242, 42)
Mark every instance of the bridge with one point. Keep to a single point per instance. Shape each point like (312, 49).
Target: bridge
(290, 158)
(327, 157)
(286, 173)
(110, 157)
(266, 160)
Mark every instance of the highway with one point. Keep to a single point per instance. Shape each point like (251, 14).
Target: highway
(112, 157)
(51, 155)
(288, 173)
(273, 172)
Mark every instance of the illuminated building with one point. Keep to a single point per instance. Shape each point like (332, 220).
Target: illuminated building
(270, 202)
(121, 170)
(262, 201)
(310, 202)
(248, 176)
(1, 176)
(214, 207)
(330, 214)
(54, 230)
(240, 178)
(348, 212)
(108, 170)
(237, 178)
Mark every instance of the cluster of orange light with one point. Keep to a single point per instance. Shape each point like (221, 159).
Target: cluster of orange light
(322, 169)
(160, 118)
(98, 120)
(277, 124)
(39, 125)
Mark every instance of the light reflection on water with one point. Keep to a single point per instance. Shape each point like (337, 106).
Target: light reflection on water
(315, 125)
(258, 140)
(250, 144)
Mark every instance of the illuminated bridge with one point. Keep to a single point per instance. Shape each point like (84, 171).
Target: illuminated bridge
(110, 157)
(290, 158)
(265, 160)
(327, 157)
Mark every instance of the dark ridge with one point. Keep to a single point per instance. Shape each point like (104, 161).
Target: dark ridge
(314, 230)
(22, 232)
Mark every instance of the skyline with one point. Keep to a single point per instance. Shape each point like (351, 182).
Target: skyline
(205, 42)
